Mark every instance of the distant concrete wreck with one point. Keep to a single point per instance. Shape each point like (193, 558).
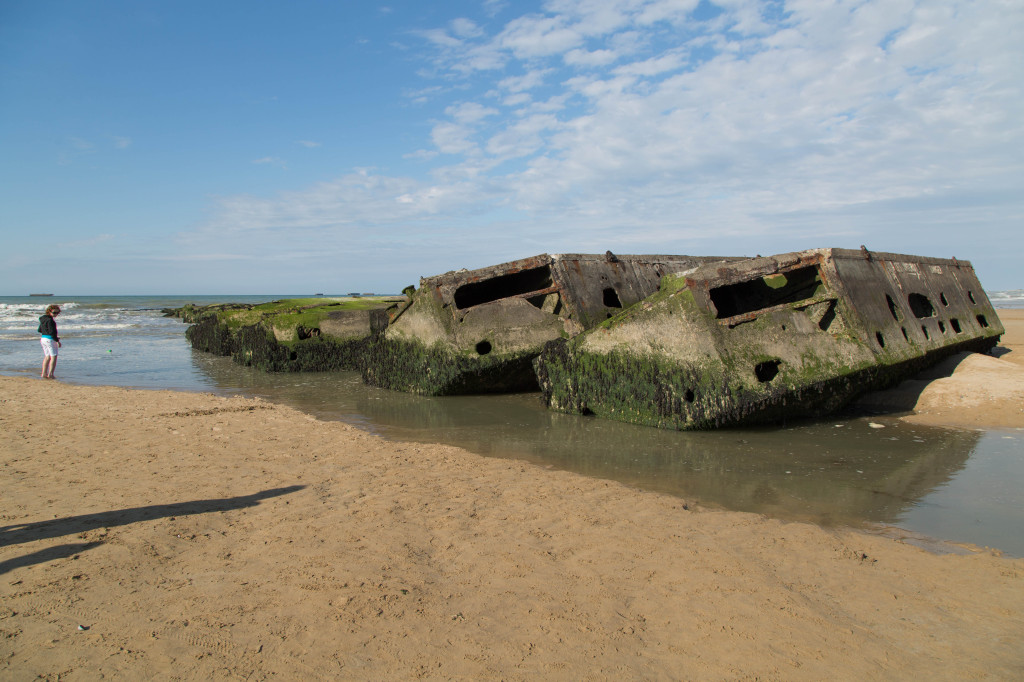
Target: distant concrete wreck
(760, 340)
(479, 331)
(289, 335)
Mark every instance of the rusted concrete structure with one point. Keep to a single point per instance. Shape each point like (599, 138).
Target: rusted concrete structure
(763, 339)
(478, 331)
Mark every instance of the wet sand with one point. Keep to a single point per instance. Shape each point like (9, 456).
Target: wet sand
(153, 534)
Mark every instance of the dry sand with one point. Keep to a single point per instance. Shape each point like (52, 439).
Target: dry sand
(180, 536)
(968, 390)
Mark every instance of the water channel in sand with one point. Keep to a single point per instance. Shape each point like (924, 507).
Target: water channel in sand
(955, 485)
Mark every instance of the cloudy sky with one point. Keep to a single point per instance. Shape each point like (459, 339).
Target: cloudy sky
(289, 148)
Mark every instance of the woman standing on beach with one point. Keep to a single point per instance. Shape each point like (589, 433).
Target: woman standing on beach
(50, 340)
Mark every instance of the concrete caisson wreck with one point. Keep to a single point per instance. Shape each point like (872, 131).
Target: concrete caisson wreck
(289, 335)
(759, 340)
(478, 331)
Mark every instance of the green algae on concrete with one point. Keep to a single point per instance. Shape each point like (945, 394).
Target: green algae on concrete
(427, 351)
(315, 334)
(478, 331)
(768, 339)
(413, 367)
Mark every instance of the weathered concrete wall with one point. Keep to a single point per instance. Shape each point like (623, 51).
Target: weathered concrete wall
(922, 303)
(347, 324)
(769, 338)
(479, 331)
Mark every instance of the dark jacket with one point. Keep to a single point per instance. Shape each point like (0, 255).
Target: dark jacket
(48, 326)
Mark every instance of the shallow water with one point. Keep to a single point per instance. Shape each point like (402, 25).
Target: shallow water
(960, 486)
(955, 485)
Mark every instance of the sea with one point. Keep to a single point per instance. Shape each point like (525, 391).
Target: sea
(942, 489)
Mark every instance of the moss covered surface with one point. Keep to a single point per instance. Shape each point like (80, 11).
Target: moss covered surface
(292, 313)
(209, 334)
(420, 354)
(655, 392)
(191, 313)
(734, 379)
(282, 336)
(283, 311)
(411, 366)
(256, 346)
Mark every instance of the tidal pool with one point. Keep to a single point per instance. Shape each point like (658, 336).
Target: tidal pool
(951, 485)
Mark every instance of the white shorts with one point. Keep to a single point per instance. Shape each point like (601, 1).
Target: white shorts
(49, 347)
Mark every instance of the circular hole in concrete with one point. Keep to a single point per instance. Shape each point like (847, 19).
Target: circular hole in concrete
(483, 348)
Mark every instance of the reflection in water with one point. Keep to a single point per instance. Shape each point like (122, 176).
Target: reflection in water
(843, 472)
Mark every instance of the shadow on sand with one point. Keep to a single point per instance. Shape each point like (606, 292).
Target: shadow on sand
(42, 530)
(904, 396)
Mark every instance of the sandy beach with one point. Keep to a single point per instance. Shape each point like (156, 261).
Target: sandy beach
(968, 390)
(161, 535)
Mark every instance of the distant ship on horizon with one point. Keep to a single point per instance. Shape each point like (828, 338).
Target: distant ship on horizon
(40, 294)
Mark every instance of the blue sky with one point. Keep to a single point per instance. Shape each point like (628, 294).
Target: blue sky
(288, 148)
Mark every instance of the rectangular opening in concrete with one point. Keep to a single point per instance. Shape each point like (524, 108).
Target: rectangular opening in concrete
(766, 292)
(503, 286)
(611, 298)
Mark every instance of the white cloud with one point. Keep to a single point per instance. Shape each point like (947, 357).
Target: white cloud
(538, 36)
(308, 144)
(492, 7)
(453, 138)
(485, 57)
(519, 99)
(528, 81)
(594, 17)
(355, 199)
(670, 61)
(469, 112)
(744, 16)
(464, 28)
(441, 38)
(667, 10)
(422, 95)
(271, 161)
(590, 57)
(523, 138)
(635, 122)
